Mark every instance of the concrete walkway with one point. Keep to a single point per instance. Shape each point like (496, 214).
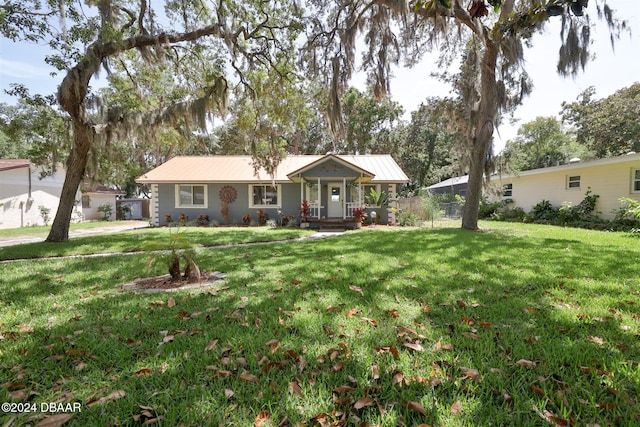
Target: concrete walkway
(107, 228)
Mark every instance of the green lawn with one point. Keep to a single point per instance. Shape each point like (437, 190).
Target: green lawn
(136, 240)
(517, 325)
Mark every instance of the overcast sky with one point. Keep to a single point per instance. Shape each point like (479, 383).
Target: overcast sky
(608, 72)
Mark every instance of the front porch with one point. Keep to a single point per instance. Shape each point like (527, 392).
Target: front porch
(332, 187)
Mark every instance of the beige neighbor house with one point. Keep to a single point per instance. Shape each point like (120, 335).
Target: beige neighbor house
(611, 179)
(228, 188)
(27, 197)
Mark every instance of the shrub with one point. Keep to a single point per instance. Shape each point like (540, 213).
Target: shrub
(106, 210)
(203, 220)
(488, 208)
(516, 214)
(408, 219)
(44, 213)
(544, 211)
(630, 209)
(263, 217)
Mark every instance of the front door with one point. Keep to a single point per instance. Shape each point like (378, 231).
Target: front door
(335, 196)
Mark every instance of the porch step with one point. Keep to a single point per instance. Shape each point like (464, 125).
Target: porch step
(332, 224)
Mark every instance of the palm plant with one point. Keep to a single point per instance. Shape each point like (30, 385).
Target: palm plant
(376, 200)
(178, 249)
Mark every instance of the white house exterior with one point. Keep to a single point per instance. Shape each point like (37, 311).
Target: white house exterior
(25, 196)
(96, 196)
(611, 179)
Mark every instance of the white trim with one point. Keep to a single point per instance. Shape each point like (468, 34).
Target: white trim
(635, 180)
(205, 205)
(278, 188)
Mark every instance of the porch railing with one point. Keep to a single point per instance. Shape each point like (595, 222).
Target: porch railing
(314, 209)
(350, 207)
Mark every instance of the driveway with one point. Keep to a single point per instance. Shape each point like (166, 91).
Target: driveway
(107, 228)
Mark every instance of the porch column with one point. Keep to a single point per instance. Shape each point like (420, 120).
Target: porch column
(301, 190)
(360, 201)
(344, 197)
(319, 198)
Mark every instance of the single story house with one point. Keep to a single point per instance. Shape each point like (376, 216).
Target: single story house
(27, 196)
(456, 185)
(610, 178)
(96, 196)
(229, 188)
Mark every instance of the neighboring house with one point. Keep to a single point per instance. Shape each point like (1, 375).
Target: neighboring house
(27, 196)
(96, 196)
(456, 185)
(333, 185)
(133, 208)
(611, 179)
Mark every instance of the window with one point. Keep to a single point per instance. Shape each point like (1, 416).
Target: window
(312, 193)
(573, 181)
(635, 181)
(366, 192)
(507, 190)
(264, 196)
(86, 201)
(191, 196)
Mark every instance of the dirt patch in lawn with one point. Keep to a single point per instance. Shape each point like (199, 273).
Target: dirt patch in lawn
(165, 284)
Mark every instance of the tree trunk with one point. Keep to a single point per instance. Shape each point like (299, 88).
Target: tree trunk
(76, 164)
(482, 135)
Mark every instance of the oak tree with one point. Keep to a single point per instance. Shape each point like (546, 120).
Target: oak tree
(180, 41)
(404, 30)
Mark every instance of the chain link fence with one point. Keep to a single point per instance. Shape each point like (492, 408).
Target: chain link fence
(414, 207)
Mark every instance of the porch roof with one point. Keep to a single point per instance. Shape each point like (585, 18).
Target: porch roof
(361, 173)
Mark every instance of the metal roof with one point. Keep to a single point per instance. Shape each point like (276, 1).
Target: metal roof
(7, 164)
(196, 169)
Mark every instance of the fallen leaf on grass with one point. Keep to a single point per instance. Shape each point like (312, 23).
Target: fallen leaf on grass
(415, 406)
(142, 371)
(273, 345)
(356, 289)
(115, 395)
(470, 374)
(440, 346)
(246, 376)
(351, 312)
(344, 389)
(262, 419)
(212, 344)
(398, 379)
(171, 302)
(456, 408)
(595, 340)
(365, 401)
(370, 321)
(526, 363)
(294, 388)
(537, 390)
(375, 370)
(414, 346)
(54, 420)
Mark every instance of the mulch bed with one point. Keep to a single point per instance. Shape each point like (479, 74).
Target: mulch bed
(165, 284)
